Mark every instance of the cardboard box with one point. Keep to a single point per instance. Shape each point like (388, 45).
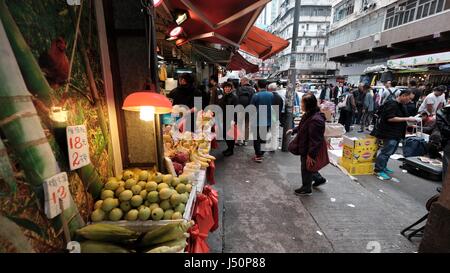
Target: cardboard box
(357, 168)
(359, 141)
(360, 154)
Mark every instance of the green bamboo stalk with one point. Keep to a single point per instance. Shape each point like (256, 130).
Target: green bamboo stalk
(6, 170)
(22, 127)
(35, 80)
(36, 83)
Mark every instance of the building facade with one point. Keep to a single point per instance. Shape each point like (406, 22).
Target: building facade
(366, 33)
(268, 14)
(310, 53)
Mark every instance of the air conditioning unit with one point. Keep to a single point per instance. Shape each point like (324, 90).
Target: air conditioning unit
(400, 9)
(377, 37)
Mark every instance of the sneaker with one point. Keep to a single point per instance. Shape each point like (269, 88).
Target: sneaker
(388, 171)
(258, 159)
(383, 176)
(227, 152)
(303, 191)
(245, 142)
(360, 131)
(319, 183)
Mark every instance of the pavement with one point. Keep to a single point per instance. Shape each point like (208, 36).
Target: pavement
(260, 213)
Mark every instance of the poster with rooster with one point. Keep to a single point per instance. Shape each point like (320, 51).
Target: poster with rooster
(56, 48)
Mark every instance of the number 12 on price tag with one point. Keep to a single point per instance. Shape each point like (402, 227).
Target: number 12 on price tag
(78, 146)
(56, 188)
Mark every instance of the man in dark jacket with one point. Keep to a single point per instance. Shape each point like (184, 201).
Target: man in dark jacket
(392, 129)
(215, 91)
(443, 124)
(184, 94)
(229, 99)
(245, 93)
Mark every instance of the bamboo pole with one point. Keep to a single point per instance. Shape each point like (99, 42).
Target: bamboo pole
(22, 127)
(36, 83)
(6, 170)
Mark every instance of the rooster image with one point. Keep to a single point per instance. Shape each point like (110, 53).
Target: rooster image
(55, 64)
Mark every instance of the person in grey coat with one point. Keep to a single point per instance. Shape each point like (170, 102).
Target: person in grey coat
(368, 108)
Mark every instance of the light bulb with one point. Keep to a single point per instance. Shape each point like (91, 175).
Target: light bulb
(147, 113)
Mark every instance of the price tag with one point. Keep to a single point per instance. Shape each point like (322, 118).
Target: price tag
(78, 146)
(56, 188)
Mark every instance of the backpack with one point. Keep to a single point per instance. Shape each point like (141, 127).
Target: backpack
(342, 101)
(390, 97)
(244, 96)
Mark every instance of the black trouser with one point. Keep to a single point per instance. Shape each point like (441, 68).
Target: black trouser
(345, 118)
(230, 142)
(259, 139)
(307, 176)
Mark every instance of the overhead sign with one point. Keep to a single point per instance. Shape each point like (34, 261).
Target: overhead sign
(437, 58)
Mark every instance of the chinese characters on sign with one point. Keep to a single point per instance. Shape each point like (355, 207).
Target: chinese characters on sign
(78, 146)
(56, 188)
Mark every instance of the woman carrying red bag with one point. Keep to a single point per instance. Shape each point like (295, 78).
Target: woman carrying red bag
(311, 145)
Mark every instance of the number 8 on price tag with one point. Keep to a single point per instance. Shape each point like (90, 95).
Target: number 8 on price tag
(56, 188)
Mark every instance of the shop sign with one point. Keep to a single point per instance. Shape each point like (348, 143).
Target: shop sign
(437, 58)
(56, 191)
(78, 146)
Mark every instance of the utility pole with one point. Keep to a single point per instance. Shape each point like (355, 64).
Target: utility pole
(292, 74)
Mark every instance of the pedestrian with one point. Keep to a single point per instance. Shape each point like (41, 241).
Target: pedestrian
(412, 85)
(443, 125)
(277, 106)
(347, 108)
(215, 91)
(245, 93)
(359, 94)
(311, 130)
(262, 99)
(368, 108)
(229, 99)
(391, 129)
(434, 101)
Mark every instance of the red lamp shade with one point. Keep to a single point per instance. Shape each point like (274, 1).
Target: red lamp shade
(175, 32)
(156, 3)
(137, 100)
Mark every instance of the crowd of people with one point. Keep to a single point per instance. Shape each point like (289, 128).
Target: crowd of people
(386, 112)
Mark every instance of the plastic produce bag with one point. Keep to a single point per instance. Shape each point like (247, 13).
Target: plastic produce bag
(214, 198)
(210, 171)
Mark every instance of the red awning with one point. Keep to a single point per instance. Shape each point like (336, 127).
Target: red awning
(223, 22)
(238, 62)
(262, 44)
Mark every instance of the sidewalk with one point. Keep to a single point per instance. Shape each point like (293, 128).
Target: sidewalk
(260, 213)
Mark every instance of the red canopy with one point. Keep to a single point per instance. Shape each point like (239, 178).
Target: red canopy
(238, 62)
(223, 22)
(262, 44)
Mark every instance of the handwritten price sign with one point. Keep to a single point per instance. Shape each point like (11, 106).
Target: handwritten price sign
(78, 146)
(56, 188)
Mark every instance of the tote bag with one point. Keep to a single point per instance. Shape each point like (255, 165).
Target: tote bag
(293, 146)
(322, 158)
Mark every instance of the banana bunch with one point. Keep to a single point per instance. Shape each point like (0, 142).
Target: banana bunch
(204, 163)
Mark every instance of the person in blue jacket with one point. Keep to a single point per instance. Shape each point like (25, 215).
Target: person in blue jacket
(261, 99)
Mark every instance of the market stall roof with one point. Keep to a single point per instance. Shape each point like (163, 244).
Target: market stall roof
(223, 22)
(238, 62)
(211, 55)
(262, 44)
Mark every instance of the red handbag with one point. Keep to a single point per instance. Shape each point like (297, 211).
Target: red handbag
(322, 158)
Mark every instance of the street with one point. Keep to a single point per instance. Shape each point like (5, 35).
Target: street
(259, 211)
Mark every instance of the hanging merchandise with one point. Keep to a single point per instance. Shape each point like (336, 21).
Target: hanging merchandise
(163, 73)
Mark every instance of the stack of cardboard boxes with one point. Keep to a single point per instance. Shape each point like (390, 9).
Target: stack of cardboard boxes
(359, 153)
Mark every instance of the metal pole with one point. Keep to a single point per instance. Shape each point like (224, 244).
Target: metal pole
(292, 74)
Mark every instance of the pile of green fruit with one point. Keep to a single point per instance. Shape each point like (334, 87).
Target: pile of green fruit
(142, 195)
(106, 238)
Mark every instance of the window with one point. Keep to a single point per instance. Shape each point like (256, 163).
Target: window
(343, 10)
(411, 10)
(308, 42)
(307, 26)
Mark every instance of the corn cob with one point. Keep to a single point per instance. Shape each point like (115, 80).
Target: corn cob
(181, 242)
(101, 247)
(165, 233)
(107, 233)
(167, 249)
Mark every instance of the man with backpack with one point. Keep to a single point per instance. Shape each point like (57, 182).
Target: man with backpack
(244, 93)
(389, 92)
(347, 107)
(390, 129)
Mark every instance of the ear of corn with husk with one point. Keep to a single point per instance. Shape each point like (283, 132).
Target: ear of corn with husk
(166, 233)
(107, 233)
